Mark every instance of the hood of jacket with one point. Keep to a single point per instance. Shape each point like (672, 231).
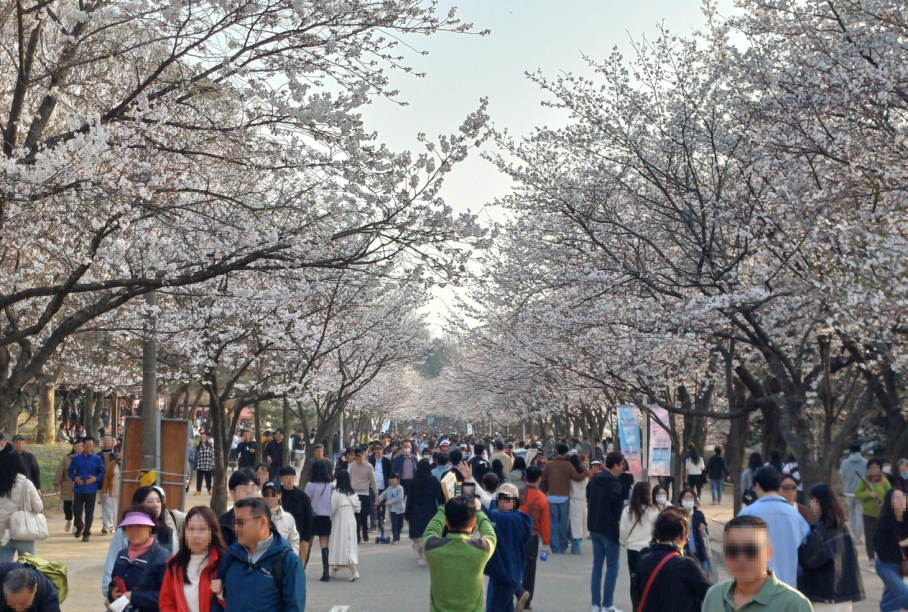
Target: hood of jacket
(855, 458)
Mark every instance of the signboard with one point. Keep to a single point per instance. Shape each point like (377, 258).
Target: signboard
(660, 443)
(629, 432)
(469, 429)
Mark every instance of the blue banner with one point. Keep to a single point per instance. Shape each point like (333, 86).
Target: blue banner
(629, 434)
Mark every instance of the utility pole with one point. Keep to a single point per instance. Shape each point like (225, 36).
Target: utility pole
(149, 389)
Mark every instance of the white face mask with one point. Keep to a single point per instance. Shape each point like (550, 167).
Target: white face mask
(887, 469)
(406, 451)
(688, 503)
(661, 499)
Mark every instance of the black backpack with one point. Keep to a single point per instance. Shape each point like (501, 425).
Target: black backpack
(277, 569)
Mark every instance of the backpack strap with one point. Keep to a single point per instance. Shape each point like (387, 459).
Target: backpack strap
(652, 577)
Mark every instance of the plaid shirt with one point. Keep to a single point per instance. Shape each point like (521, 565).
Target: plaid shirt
(204, 457)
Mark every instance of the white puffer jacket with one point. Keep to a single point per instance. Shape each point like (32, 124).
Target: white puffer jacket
(23, 488)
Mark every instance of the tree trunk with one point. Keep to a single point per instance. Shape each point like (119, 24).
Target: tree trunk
(258, 433)
(88, 405)
(221, 454)
(285, 444)
(737, 442)
(46, 432)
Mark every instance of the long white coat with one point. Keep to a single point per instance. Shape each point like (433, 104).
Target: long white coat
(578, 509)
(342, 547)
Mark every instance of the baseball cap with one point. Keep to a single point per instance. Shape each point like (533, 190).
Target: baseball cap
(508, 489)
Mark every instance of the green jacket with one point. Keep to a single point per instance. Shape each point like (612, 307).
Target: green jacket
(775, 596)
(869, 504)
(455, 564)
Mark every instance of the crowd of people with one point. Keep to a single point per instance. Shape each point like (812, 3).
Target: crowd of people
(470, 507)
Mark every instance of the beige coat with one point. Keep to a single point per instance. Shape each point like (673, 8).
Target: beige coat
(62, 479)
(342, 547)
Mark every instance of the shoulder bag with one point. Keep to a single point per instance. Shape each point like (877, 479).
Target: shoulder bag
(25, 524)
(652, 577)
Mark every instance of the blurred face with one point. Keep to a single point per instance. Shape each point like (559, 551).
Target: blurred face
(262, 475)
(319, 452)
(595, 469)
(153, 503)
(688, 501)
(379, 452)
(198, 535)
(360, 459)
(77, 448)
(747, 551)
(107, 442)
(789, 490)
(815, 507)
(288, 481)
(204, 439)
(246, 436)
(899, 501)
(406, 448)
(137, 534)
(19, 445)
(21, 601)
(248, 529)
(244, 491)
(272, 499)
(88, 447)
(872, 470)
(903, 469)
(278, 437)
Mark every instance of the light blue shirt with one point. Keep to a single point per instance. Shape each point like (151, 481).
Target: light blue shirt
(558, 499)
(441, 470)
(787, 529)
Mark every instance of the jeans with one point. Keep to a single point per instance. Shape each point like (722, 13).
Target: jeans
(632, 557)
(575, 546)
(206, 474)
(895, 591)
(608, 551)
(715, 487)
(397, 524)
(378, 510)
(559, 515)
(529, 571)
(500, 596)
(855, 522)
(16, 546)
(86, 501)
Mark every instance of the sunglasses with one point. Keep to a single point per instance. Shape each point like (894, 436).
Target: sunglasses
(748, 551)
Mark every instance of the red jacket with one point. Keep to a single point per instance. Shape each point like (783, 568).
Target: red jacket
(172, 598)
(535, 503)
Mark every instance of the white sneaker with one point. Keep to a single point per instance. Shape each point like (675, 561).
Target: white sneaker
(423, 563)
(610, 609)
(597, 609)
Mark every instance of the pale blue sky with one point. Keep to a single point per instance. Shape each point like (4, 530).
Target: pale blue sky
(526, 35)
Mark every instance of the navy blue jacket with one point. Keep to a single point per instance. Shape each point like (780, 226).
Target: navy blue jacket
(85, 467)
(144, 597)
(513, 529)
(251, 588)
(46, 598)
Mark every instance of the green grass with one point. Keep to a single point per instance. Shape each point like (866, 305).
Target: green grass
(48, 456)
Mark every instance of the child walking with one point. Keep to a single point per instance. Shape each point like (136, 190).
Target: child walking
(394, 497)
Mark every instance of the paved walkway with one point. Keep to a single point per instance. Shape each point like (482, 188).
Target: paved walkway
(391, 580)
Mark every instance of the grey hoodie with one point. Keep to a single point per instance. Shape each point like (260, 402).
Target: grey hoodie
(853, 469)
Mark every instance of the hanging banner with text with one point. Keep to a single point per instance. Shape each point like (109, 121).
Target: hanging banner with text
(660, 443)
(629, 431)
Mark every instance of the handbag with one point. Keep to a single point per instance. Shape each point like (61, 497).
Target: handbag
(25, 524)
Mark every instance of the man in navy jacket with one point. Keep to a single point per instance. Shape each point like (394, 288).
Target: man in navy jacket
(259, 571)
(505, 568)
(87, 472)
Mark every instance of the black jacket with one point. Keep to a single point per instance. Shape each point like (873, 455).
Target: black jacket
(226, 522)
(46, 598)
(246, 454)
(680, 585)
(716, 468)
(830, 566)
(275, 450)
(887, 536)
(299, 506)
(603, 497)
(385, 466)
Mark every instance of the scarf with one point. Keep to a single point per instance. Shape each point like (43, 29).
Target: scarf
(135, 552)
